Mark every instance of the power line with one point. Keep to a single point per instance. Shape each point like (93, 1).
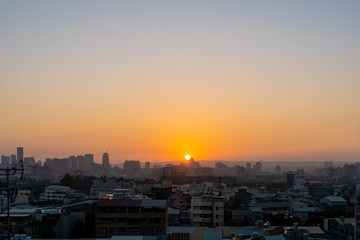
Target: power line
(10, 190)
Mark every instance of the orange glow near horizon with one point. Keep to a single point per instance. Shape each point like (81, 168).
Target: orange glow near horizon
(153, 82)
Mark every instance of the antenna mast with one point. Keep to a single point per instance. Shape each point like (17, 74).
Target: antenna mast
(10, 190)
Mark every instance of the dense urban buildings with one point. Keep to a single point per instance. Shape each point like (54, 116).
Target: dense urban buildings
(180, 201)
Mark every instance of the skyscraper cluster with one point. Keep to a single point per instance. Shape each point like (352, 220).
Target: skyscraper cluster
(83, 162)
(12, 159)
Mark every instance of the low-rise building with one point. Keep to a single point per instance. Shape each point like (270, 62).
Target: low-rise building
(255, 214)
(24, 197)
(130, 217)
(19, 219)
(54, 193)
(102, 187)
(334, 202)
(121, 193)
(341, 228)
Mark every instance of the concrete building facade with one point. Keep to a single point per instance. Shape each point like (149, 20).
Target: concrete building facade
(207, 210)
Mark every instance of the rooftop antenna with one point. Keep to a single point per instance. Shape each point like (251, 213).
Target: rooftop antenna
(10, 190)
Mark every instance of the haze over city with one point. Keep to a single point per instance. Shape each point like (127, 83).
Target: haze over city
(180, 120)
(156, 80)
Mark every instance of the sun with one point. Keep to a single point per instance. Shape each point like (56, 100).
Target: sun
(187, 157)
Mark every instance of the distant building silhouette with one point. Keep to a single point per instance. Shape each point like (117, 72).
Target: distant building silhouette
(147, 165)
(278, 169)
(131, 167)
(13, 159)
(290, 177)
(20, 154)
(328, 164)
(88, 161)
(5, 161)
(194, 164)
(257, 168)
(29, 165)
(105, 160)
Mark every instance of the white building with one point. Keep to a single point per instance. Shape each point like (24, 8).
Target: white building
(107, 186)
(121, 193)
(54, 192)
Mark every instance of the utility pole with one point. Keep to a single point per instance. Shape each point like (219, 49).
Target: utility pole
(10, 190)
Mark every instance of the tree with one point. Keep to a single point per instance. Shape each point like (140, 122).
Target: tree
(67, 180)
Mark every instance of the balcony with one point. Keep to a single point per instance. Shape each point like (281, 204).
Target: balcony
(201, 211)
(202, 204)
(197, 219)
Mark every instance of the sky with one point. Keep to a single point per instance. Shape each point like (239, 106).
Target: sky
(156, 80)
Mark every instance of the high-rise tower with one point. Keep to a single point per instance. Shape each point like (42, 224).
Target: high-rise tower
(105, 160)
(20, 154)
(13, 159)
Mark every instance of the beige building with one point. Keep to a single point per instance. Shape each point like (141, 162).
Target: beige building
(207, 210)
(23, 197)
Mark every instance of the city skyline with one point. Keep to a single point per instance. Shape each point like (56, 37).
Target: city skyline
(157, 81)
(98, 158)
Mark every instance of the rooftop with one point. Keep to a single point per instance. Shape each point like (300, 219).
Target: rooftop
(249, 231)
(255, 209)
(335, 199)
(153, 203)
(212, 235)
(274, 237)
(119, 203)
(131, 203)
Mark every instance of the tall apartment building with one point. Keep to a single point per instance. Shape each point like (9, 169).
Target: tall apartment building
(20, 153)
(5, 161)
(130, 217)
(147, 165)
(131, 167)
(13, 159)
(290, 177)
(74, 162)
(105, 160)
(88, 161)
(29, 165)
(81, 161)
(207, 210)
(257, 168)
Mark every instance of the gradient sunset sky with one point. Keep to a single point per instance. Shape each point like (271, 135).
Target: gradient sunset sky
(156, 80)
